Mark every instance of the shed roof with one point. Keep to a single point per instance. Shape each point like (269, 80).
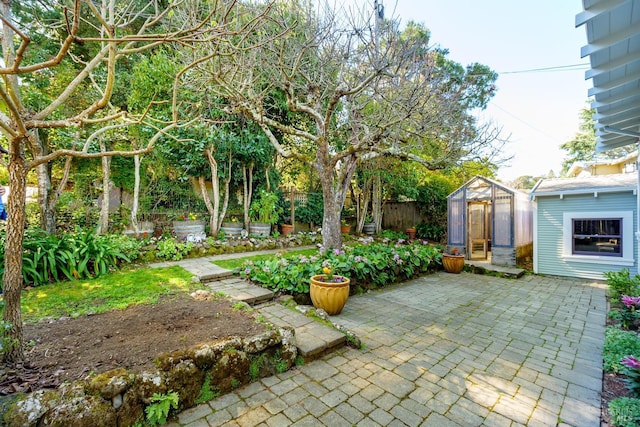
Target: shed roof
(479, 180)
(585, 185)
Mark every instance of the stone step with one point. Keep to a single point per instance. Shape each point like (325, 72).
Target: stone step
(241, 290)
(213, 276)
(483, 267)
(313, 339)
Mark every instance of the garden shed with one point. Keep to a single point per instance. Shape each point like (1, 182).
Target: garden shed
(584, 227)
(490, 222)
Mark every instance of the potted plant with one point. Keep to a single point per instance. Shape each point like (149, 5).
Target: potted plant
(264, 213)
(329, 291)
(345, 227)
(232, 228)
(411, 232)
(286, 229)
(453, 261)
(369, 226)
(188, 224)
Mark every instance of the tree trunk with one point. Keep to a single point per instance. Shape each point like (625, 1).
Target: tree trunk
(376, 202)
(214, 220)
(47, 197)
(43, 172)
(225, 201)
(365, 197)
(103, 222)
(136, 195)
(247, 180)
(12, 278)
(334, 192)
(47, 217)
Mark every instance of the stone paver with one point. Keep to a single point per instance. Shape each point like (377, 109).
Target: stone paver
(443, 350)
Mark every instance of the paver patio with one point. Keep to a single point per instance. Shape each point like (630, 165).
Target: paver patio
(443, 350)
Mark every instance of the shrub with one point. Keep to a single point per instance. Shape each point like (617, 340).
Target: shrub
(621, 283)
(618, 344)
(312, 211)
(170, 249)
(625, 412)
(433, 232)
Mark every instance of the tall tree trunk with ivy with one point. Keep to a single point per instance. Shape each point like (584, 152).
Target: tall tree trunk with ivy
(12, 278)
(103, 221)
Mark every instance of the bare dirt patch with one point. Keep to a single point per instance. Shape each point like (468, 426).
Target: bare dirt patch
(71, 349)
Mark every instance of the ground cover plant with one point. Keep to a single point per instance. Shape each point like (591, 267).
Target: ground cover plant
(621, 352)
(368, 264)
(237, 263)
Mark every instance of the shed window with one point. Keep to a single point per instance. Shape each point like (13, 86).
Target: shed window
(601, 236)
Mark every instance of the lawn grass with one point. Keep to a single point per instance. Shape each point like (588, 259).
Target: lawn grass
(233, 263)
(113, 291)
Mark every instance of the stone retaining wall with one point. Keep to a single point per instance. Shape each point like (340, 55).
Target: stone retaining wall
(119, 397)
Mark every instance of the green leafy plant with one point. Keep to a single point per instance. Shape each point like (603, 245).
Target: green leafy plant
(625, 412)
(372, 264)
(169, 248)
(312, 210)
(621, 283)
(281, 366)
(206, 391)
(265, 208)
(6, 343)
(256, 366)
(433, 232)
(158, 411)
(618, 344)
(48, 258)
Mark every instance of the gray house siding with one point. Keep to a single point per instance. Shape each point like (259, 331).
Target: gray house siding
(549, 247)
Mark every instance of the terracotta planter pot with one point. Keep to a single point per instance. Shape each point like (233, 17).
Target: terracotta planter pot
(411, 232)
(453, 263)
(286, 229)
(329, 296)
(345, 229)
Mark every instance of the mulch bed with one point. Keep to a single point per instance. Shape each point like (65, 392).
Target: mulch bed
(72, 349)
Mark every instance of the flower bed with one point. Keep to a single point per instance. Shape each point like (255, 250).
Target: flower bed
(621, 352)
(369, 265)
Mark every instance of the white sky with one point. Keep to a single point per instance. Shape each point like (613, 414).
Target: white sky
(538, 109)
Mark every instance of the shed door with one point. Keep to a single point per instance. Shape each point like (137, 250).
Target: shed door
(478, 231)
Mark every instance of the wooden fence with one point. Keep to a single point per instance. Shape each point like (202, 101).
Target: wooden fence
(398, 216)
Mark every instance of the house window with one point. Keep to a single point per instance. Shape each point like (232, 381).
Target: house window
(598, 237)
(601, 237)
